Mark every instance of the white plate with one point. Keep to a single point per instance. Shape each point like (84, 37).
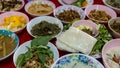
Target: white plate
(22, 49)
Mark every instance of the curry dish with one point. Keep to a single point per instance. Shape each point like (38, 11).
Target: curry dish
(7, 44)
(40, 9)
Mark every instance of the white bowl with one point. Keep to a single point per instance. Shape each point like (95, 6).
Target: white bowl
(116, 9)
(90, 2)
(16, 39)
(60, 9)
(23, 49)
(44, 18)
(78, 58)
(41, 2)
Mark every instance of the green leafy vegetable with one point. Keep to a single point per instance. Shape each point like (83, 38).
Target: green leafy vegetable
(39, 48)
(67, 25)
(20, 60)
(41, 57)
(78, 3)
(28, 55)
(102, 38)
(43, 40)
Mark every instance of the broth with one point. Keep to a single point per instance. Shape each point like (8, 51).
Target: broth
(7, 44)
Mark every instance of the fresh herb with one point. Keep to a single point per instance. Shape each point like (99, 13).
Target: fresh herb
(40, 41)
(116, 59)
(20, 60)
(66, 26)
(39, 48)
(102, 38)
(78, 3)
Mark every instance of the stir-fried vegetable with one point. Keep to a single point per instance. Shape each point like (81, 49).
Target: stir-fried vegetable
(114, 3)
(45, 28)
(38, 54)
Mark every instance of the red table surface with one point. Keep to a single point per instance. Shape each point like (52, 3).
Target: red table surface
(24, 36)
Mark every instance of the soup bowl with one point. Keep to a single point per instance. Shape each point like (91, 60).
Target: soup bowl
(14, 37)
